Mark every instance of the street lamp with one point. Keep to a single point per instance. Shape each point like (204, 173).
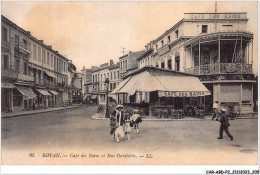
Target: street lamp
(107, 85)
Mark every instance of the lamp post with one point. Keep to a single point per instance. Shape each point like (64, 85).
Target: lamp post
(107, 85)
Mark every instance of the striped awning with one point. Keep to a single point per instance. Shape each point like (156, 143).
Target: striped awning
(26, 91)
(7, 85)
(50, 74)
(43, 92)
(53, 92)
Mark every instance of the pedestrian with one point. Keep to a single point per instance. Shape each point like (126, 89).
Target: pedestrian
(136, 118)
(127, 126)
(224, 124)
(120, 122)
(215, 110)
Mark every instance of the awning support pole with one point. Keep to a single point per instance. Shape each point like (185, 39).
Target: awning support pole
(219, 53)
(199, 58)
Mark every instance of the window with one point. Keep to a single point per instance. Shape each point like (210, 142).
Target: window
(162, 42)
(204, 29)
(25, 68)
(169, 39)
(156, 46)
(111, 75)
(177, 63)
(4, 34)
(162, 65)
(6, 62)
(120, 65)
(34, 51)
(111, 86)
(29, 46)
(170, 63)
(55, 62)
(43, 56)
(17, 64)
(51, 60)
(48, 58)
(16, 40)
(118, 74)
(108, 75)
(176, 33)
(25, 44)
(101, 77)
(156, 64)
(125, 64)
(114, 75)
(39, 54)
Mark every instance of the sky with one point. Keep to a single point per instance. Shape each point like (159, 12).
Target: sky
(92, 33)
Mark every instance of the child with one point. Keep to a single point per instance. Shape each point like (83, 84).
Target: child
(127, 126)
(136, 120)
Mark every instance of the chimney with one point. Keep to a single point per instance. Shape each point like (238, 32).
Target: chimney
(111, 62)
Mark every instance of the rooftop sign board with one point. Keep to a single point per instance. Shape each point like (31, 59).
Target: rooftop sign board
(196, 16)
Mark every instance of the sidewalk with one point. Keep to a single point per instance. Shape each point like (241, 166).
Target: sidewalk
(22, 113)
(207, 118)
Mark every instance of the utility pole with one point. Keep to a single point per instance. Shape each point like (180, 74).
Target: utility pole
(123, 50)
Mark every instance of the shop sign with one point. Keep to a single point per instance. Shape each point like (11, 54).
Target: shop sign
(215, 16)
(182, 93)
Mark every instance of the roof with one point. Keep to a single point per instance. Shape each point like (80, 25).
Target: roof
(157, 69)
(171, 84)
(31, 37)
(145, 53)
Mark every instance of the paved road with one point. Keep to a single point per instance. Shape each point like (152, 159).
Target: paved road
(182, 142)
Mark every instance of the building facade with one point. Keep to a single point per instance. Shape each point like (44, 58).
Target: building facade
(87, 84)
(33, 74)
(128, 63)
(99, 75)
(214, 46)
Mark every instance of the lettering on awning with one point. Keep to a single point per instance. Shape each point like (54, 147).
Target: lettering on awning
(182, 93)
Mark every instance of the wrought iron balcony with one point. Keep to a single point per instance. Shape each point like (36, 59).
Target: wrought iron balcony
(222, 68)
(26, 78)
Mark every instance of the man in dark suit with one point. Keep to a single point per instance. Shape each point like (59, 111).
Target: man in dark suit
(224, 124)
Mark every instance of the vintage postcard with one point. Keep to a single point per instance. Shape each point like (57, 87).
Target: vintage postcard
(129, 83)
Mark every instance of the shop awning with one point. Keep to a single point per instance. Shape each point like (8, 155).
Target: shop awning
(167, 83)
(121, 84)
(43, 92)
(50, 74)
(53, 92)
(7, 85)
(93, 97)
(26, 91)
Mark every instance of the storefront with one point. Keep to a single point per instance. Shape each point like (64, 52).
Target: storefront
(43, 98)
(54, 98)
(7, 96)
(154, 88)
(24, 98)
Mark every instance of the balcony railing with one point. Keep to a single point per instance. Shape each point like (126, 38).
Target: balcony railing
(222, 68)
(45, 82)
(28, 78)
(7, 73)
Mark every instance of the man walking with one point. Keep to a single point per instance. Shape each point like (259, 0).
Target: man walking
(215, 110)
(224, 124)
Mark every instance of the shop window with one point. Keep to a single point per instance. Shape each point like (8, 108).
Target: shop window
(204, 29)
(162, 65)
(170, 63)
(4, 34)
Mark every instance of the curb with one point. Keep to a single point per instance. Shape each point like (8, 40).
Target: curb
(96, 117)
(37, 112)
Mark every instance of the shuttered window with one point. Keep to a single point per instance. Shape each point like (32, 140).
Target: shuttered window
(230, 92)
